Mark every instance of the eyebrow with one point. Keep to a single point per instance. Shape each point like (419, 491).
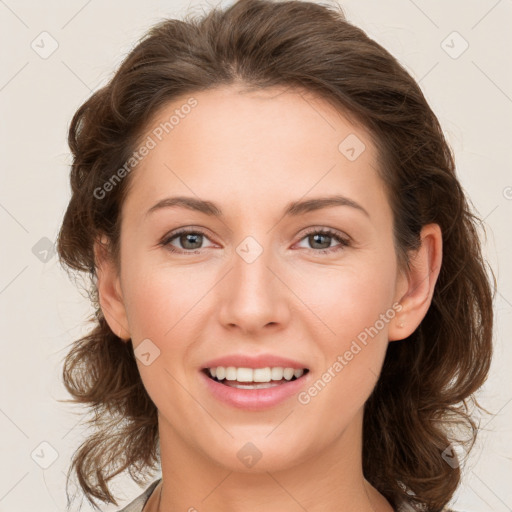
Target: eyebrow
(293, 208)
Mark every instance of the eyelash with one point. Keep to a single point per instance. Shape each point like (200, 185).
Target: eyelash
(343, 242)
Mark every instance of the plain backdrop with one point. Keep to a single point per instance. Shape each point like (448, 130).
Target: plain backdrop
(456, 50)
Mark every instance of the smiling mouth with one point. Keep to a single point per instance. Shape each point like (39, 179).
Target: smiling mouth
(253, 385)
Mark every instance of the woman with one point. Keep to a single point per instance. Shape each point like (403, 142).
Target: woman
(318, 343)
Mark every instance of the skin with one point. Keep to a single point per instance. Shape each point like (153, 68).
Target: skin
(292, 300)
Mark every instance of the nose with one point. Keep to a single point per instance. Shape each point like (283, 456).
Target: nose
(253, 295)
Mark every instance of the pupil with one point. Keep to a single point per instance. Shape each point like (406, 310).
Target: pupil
(316, 236)
(185, 238)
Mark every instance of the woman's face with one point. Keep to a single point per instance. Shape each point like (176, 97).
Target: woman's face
(256, 278)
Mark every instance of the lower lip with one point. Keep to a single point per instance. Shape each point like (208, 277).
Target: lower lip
(254, 399)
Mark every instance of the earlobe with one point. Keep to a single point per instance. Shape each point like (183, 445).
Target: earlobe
(109, 290)
(416, 295)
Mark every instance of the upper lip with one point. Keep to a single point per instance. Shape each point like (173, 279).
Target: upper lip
(251, 361)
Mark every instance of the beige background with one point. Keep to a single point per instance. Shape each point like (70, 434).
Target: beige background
(42, 311)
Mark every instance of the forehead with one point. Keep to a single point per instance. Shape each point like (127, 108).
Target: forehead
(239, 145)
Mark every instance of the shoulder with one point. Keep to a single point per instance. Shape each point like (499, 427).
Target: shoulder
(138, 503)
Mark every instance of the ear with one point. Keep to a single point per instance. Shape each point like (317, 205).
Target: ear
(416, 289)
(109, 290)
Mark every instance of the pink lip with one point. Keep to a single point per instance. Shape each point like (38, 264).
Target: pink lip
(254, 399)
(261, 361)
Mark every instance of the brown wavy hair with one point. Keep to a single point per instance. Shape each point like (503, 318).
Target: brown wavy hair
(425, 395)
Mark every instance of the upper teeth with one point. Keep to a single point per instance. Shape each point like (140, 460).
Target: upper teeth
(254, 375)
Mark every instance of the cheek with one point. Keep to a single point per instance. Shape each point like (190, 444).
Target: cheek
(159, 298)
(348, 298)
(148, 309)
(353, 348)
(160, 307)
(352, 308)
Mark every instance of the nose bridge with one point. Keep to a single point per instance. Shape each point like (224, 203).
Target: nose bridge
(251, 273)
(254, 296)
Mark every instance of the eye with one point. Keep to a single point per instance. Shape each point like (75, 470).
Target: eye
(323, 237)
(189, 239)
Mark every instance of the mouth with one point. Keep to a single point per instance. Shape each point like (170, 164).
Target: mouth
(260, 378)
(256, 388)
